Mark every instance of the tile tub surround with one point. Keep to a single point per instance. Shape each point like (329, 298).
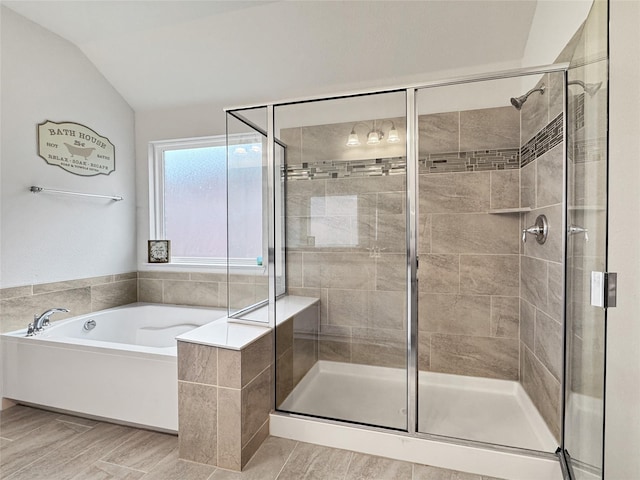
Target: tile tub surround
(224, 401)
(80, 296)
(76, 448)
(201, 289)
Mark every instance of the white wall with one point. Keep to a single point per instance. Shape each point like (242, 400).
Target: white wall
(45, 237)
(622, 429)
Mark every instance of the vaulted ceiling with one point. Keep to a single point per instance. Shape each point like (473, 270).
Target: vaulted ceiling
(160, 54)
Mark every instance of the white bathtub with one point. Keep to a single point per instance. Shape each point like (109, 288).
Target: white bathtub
(124, 369)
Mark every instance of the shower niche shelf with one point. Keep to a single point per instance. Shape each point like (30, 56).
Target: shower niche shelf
(510, 210)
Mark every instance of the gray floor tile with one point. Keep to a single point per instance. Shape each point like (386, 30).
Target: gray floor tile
(108, 471)
(17, 421)
(77, 455)
(27, 449)
(314, 462)
(266, 464)
(172, 468)
(426, 472)
(143, 451)
(368, 467)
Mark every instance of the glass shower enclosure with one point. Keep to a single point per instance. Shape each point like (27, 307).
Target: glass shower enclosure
(440, 232)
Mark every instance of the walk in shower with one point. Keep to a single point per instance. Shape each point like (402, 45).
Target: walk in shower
(442, 232)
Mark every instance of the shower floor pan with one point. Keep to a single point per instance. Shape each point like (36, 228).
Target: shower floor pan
(472, 408)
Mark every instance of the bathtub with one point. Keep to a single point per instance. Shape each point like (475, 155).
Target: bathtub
(124, 369)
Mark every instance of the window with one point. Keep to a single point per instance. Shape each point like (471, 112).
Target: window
(188, 199)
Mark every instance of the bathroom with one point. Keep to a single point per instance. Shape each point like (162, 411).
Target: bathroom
(113, 270)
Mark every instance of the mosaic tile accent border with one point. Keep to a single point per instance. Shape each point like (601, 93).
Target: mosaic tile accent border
(475, 161)
(543, 141)
(480, 160)
(325, 169)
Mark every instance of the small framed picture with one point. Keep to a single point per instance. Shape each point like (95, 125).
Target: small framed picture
(159, 251)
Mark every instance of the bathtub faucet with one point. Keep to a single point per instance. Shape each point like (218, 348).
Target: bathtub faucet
(41, 321)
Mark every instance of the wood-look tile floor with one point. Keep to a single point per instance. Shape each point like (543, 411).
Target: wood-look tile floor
(40, 445)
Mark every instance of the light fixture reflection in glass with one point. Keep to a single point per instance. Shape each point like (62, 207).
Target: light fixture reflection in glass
(353, 140)
(376, 134)
(240, 151)
(393, 135)
(373, 138)
(256, 148)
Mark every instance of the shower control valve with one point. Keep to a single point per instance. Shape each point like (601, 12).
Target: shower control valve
(540, 229)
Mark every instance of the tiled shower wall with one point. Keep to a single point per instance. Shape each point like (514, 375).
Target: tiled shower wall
(541, 269)
(469, 320)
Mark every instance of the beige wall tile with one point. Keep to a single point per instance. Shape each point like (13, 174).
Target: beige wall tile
(544, 391)
(201, 294)
(489, 128)
(549, 175)
(490, 274)
(305, 355)
(424, 234)
(256, 405)
(455, 314)
(294, 269)
(555, 304)
(284, 337)
(125, 276)
(454, 192)
(505, 188)
(207, 277)
(229, 368)
(150, 290)
(256, 357)
(424, 351)
(284, 376)
(505, 317)
(475, 356)
(533, 280)
(391, 272)
(229, 439)
(111, 295)
(197, 363)
(438, 133)
(548, 343)
(385, 348)
(347, 307)
(528, 185)
(439, 273)
(71, 284)
(197, 414)
(164, 275)
(527, 323)
(386, 310)
(475, 233)
(252, 446)
(14, 292)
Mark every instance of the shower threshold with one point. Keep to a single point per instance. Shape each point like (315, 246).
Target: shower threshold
(471, 408)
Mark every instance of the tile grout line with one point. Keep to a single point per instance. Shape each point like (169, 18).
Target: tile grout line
(287, 460)
(348, 465)
(121, 466)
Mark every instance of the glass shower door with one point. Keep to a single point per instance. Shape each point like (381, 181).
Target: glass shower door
(587, 158)
(345, 190)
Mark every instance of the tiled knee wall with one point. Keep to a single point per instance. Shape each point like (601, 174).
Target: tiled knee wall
(224, 400)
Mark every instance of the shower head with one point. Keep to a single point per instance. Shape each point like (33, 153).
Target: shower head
(590, 88)
(519, 101)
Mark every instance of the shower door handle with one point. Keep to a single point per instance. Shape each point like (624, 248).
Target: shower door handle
(574, 230)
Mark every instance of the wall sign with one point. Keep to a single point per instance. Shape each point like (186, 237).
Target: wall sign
(76, 148)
